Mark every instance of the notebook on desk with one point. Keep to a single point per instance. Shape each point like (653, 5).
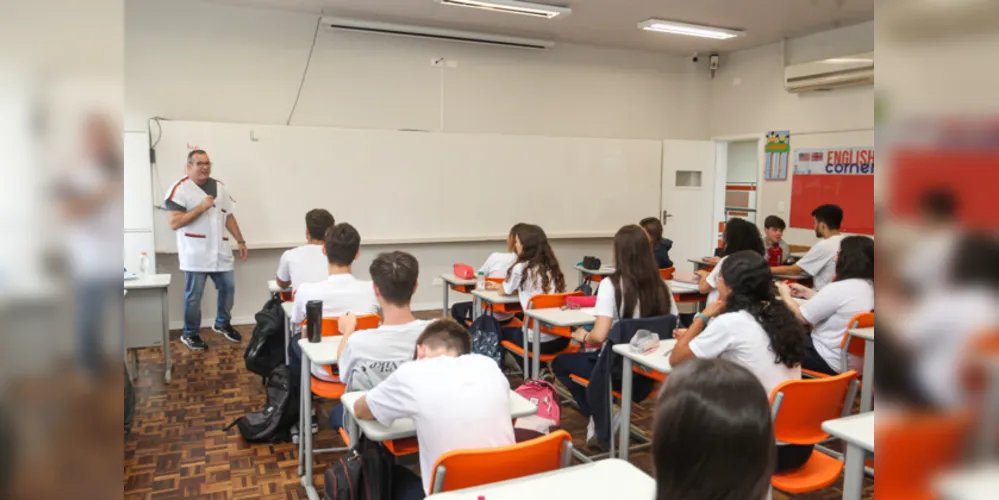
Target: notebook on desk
(130, 276)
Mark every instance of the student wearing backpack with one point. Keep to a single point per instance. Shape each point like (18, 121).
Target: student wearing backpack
(456, 399)
(635, 290)
(307, 263)
(707, 409)
(536, 272)
(739, 235)
(750, 326)
(660, 246)
(368, 357)
(340, 292)
(497, 265)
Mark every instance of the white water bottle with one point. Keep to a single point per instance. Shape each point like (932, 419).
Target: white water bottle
(144, 264)
(480, 281)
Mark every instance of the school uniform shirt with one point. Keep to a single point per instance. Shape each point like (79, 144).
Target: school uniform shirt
(829, 312)
(455, 403)
(203, 245)
(608, 307)
(531, 288)
(927, 262)
(737, 337)
(819, 263)
(304, 264)
(370, 356)
(712, 280)
(92, 245)
(496, 266)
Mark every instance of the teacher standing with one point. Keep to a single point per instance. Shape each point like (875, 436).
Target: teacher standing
(200, 212)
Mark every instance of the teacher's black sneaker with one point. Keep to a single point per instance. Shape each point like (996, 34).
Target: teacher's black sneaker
(194, 343)
(229, 333)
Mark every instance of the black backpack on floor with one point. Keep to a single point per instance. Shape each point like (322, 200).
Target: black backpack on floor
(486, 333)
(360, 475)
(265, 350)
(273, 422)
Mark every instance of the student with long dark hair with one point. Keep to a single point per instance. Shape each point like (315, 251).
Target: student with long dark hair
(536, 272)
(497, 265)
(713, 437)
(828, 311)
(635, 290)
(739, 235)
(752, 327)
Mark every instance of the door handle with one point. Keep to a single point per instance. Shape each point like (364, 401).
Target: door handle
(666, 215)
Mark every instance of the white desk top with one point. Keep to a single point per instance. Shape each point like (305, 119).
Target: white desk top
(658, 361)
(148, 281)
(273, 287)
(557, 317)
(323, 353)
(702, 262)
(864, 333)
(801, 276)
(287, 306)
(682, 287)
(603, 271)
(454, 280)
(857, 429)
(980, 482)
(495, 297)
(604, 479)
(405, 428)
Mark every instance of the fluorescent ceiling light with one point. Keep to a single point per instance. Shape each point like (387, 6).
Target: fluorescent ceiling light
(678, 28)
(512, 7)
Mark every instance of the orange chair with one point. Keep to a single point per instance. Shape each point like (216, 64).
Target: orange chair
(331, 328)
(667, 274)
(799, 408)
(460, 469)
(914, 450)
(544, 301)
(849, 344)
(398, 447)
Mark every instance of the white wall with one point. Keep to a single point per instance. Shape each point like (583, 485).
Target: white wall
(200, 61)
(747, 97)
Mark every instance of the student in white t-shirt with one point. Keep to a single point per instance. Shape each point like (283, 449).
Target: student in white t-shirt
(928, 257)
(828, 311)
(739, 235)
(635, 290)
(456, 399)
(819, 262)
(750, 326)
(368, 357)
(536, 272)
(340, 292)
(307, 263)
(496, 266)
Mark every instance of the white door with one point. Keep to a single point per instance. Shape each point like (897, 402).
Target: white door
(688, 200)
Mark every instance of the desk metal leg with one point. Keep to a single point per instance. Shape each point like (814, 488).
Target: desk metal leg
(536, 349)
(444, 309)
(476, 304)
(867, 392)
(853, 474)
(625, 408)
(581, 278)
(167, 363)
(301, 419)
(305, 427)
(287, 339)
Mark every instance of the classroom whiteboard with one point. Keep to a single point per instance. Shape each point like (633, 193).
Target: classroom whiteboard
(411, 187)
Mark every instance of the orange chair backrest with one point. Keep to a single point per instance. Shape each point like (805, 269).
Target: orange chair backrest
(806, 404)
(331, 325)
(856, 345)
(548, 301)
(467, 468)
(915, 449)
(974, 376)
(497, 279)
(667, 274)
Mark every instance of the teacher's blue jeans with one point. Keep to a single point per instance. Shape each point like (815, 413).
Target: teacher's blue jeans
(194, 289)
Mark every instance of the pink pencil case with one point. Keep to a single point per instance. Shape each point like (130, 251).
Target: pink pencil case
(581, 301)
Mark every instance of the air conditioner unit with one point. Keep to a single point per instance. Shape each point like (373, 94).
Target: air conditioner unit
(449, 35)
(831, 73)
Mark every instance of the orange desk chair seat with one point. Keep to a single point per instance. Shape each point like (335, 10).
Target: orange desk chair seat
(398, 447)
(545, 301)
(667, 273)
(331, 328)
(460, 469)
(914, 450)
(799, 408)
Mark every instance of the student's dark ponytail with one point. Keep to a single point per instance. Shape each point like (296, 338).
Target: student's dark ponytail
(748, 275)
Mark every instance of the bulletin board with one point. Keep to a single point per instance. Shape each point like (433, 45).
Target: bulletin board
(840, 175)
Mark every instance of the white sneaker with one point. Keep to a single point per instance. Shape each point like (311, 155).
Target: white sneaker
(591, 429)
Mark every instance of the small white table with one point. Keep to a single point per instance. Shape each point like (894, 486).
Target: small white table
(406, 428)
(482, 297)
(274, 288)
(979, 482)
(867, 391)
(658, 361)
(606, 479)
(147, 293)
(858, 433)
(552, 317)
(701, 264)
(793, 277)
(584, 272)
(450, 282)
(322, 353)
(288, 327)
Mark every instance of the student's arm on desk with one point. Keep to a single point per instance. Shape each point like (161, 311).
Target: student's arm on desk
(791, 270)
(361, 410)
(347, 325)
(702, 283)
(601, 328)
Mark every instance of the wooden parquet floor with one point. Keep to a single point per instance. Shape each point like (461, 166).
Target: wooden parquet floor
(178, 448)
